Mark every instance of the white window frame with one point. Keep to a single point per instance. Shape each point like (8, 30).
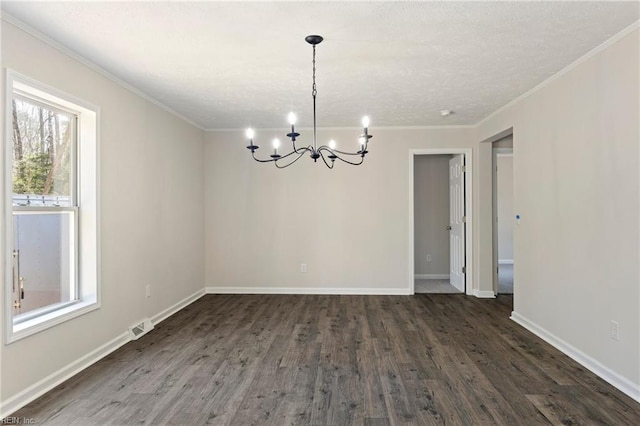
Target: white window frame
(86, 194)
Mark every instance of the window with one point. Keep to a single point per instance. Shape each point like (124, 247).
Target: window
(52, 229)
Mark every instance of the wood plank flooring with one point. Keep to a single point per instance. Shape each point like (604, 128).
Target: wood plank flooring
(336, 360)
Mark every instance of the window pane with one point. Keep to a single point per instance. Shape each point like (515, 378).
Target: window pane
(42, 155)
(43, 259)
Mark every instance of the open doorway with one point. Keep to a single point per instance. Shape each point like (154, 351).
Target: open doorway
(503, 216)
(440, 235)
(432, 209)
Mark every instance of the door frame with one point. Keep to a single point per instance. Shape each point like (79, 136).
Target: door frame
(468, 207)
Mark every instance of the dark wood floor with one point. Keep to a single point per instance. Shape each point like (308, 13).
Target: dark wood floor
(337, 360)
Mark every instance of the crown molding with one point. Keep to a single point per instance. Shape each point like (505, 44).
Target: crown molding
(394, 128)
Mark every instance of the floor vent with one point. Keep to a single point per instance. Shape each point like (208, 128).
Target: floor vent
(140, 329)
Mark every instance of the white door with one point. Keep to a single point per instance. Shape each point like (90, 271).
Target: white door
(456, 222)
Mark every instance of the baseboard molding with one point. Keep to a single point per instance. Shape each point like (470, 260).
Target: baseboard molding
(22, 398)
(484, 294)
(307, 290)
(620, 382)
(156, 319)
(505, 261)
(431, 276)
(39, 388)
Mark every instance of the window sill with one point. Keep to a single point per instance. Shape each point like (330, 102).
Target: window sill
(43, 322)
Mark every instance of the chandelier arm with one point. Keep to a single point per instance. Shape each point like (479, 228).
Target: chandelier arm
(262, 161)
(288, 164)
(300, 152)
(349, 153)
(335, 151)
(330, 166)
(351, 162)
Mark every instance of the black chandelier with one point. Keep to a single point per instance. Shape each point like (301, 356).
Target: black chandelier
(325, 151)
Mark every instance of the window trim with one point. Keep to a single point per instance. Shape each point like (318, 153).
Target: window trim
(85, 200)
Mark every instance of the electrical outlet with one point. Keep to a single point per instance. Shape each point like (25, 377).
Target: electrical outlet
(614, 330)
(303, 268)
(428, 258)
(147, 290)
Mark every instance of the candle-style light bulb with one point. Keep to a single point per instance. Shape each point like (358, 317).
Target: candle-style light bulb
(292, 118)
(276, 144)
(365, 121)
(362, 141)
(332, 144)
(250, 134)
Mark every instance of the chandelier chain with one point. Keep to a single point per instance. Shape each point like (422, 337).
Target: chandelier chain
(314, 92)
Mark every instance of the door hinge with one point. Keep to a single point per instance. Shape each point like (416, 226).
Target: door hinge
(464, 219)
(497, 269)
(464, 269)
(464, 169)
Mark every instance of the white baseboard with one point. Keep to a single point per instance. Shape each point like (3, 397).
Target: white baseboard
(505, 261)
(22, 398)
(307, 290)
(161, 316)
(431, 276)
(622, 383)
(484, 294)
(39, 388)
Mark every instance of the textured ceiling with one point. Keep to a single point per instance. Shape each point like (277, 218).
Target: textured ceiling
(235, 64)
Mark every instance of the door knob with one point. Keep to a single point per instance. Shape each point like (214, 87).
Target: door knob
(449, 228)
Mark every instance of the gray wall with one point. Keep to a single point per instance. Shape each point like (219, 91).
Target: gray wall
(151, 212)
(431, 214)
(350, 225)
(576, 185)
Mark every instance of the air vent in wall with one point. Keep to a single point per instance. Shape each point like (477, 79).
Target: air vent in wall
(138, 330)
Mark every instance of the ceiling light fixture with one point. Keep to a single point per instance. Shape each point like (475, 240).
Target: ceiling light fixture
(325, 151)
